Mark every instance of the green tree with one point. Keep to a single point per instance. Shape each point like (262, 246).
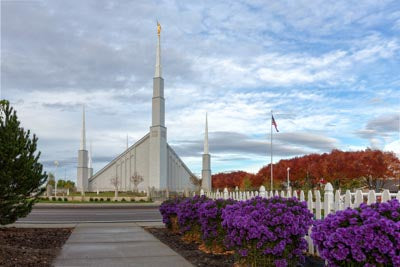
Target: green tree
(21, 174)
(61, 183)
(69, 184)
(51, 179)
(246, 184)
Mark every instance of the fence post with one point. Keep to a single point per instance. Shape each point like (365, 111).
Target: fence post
(385, 196)
(318, 205)
(338, 202)
(201, 192)
(347, 199)
(371, 197)
(295, 194)
(328, 199)
(310, 202)
(262, 191)
(302, 197)
(398, 196)
(358, 199)
(226, 195)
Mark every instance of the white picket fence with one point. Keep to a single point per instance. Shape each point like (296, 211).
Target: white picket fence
(333, 200)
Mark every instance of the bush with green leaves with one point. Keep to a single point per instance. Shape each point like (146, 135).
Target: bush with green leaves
(21, 173)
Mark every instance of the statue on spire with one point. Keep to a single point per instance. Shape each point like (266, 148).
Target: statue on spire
(158, 52)
(158, 28)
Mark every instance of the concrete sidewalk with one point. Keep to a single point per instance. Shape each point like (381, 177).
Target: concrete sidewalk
(116, 244)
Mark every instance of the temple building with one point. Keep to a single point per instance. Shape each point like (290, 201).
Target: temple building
(151, 157)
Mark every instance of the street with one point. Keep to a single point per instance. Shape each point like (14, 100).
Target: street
(106, 214)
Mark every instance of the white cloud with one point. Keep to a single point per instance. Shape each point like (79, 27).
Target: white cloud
(317, 66)
(394, 147)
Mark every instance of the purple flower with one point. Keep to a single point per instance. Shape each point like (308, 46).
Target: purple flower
(210, 213)
(271, 230)
(187, 212)
(366, 236)
(168, 209)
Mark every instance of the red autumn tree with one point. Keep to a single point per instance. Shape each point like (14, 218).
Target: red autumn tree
(370, 168)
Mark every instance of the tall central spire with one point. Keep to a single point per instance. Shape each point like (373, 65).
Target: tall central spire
(158, 102)
(158, 171)
(206, 137)
(158, 53)
(83, 133)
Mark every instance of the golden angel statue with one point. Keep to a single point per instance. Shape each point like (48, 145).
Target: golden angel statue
(158, 28)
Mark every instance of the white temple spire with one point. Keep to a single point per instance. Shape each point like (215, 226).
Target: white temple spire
(90, 156)
(206, 137)
(83, 133)
(206, 170)
(158, 52)
(127, 142)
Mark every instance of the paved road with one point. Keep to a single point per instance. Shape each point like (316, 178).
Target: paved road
(106, 214)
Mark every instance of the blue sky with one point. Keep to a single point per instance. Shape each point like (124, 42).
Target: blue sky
(330, 70)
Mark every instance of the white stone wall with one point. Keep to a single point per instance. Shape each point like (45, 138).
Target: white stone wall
(136, 158)
(178, 173)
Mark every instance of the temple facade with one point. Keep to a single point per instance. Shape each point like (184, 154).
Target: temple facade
(151, 157)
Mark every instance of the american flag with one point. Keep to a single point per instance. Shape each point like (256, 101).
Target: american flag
(274, 123)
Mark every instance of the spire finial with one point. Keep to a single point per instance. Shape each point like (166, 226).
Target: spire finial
(158, 52)
(158, 28)
(83, 133)
(206, 137)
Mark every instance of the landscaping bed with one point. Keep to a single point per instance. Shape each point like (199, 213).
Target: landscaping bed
(199, 258)
(190, 251)
(31, 246)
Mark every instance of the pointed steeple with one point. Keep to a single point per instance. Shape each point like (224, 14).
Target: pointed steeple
(206, 137)
(83, 133)
(206, 170)
(158, 53)
(127, 142)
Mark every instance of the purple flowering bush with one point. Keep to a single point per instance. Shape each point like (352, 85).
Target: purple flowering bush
(267, 232)
(168, 210)
(365, 236)
(188, 216)
(210, 212)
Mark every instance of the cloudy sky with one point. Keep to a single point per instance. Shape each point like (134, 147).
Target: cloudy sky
(330, 70)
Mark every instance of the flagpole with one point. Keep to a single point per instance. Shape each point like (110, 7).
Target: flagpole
(272, 173)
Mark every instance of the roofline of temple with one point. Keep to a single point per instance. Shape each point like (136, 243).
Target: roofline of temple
(183, 164)
(119, 156)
